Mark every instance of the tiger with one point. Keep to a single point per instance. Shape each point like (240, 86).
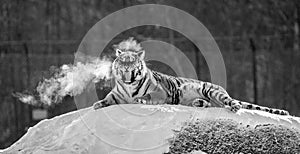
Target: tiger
(136, 83)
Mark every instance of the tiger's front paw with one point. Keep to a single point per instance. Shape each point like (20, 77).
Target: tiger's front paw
(100, 104)
(141, 100)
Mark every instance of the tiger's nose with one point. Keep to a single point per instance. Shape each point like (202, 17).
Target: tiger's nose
(126, 69)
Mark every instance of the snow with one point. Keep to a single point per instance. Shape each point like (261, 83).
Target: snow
(128, 128)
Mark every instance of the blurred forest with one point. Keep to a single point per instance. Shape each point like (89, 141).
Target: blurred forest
(259, 41)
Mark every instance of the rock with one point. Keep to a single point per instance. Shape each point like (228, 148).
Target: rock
(128, 128)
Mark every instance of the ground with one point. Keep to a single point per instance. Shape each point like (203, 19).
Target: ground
(135, 128)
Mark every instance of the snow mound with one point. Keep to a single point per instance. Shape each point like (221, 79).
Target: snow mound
(128, 128)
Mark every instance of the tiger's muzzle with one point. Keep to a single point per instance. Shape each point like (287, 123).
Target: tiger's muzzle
(128, 77)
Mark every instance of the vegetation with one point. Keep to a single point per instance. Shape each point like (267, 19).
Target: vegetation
(226, 136)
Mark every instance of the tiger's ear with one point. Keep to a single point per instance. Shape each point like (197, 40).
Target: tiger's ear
(118, 52)
(141, 54)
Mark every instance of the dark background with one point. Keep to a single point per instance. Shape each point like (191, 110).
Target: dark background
(259, 41)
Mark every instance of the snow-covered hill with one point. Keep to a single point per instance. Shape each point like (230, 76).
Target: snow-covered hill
(128, 128)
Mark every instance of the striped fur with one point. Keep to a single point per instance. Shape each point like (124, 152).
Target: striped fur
(135, 83)
(219, 97)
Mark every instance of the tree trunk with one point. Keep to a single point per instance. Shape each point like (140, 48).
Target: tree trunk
(254, 69)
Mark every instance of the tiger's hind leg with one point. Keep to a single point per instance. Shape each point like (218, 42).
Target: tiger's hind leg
(214, 94)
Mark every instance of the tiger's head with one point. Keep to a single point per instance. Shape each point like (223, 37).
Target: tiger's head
(129, 66)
